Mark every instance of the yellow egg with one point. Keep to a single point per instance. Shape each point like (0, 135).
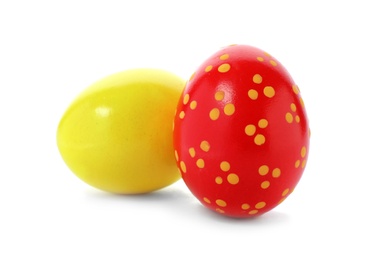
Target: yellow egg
(117, 134)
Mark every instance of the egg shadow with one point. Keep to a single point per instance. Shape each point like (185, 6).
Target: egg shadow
(173, 198)
(270, 218)
(166, 194)
(178, 201)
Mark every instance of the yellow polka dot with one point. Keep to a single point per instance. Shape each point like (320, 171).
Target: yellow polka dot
(259, 139)
(265, 184)
(183, 167)
(301, 102)
(297, 163)
(260, 205)
(260, 58)
(303, 151)
(262, 123)
(252, 94)
(297, 118)
(224, 67)
(214, 114)
(221, 203)
(229, 109)
(257, 78)
(200, 163)
(295, 89)
(176, 155)
(245, 206)
(293, 107)
(284, 193)
(193, 105)
(250, 130)
(289, 117)
(267, 54)
(192, 76)
(186, 99)
(192, 152)
(225, 166)
(263, 170)
(219, 95)
(303, 163)
(281, 200)
(208, 68)
(218, 180)
(233, 178)
(269, 91)
(205, 146)
(224, 57)
(220, 210)
(274, 63)
(206, 200)
(253, 212)
(276, 172)
(181, 114)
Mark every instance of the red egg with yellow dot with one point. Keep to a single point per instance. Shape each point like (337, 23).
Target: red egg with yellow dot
(241, 132)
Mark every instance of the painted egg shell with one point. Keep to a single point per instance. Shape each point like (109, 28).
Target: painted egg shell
(241, 133)
(116, 134)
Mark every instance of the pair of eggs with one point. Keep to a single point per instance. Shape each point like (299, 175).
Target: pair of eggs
(239, 137)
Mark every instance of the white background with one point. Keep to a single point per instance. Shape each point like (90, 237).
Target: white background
(51, 50)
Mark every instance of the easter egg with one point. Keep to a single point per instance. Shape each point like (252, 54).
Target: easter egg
(241, 132)
(116, 135)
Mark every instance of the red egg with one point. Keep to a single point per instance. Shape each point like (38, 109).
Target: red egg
(241, 133)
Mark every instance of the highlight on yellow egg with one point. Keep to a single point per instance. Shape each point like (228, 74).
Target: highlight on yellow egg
(117, 134)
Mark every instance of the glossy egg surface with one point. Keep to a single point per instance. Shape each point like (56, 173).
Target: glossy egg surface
(116, 135)
(241, 133)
